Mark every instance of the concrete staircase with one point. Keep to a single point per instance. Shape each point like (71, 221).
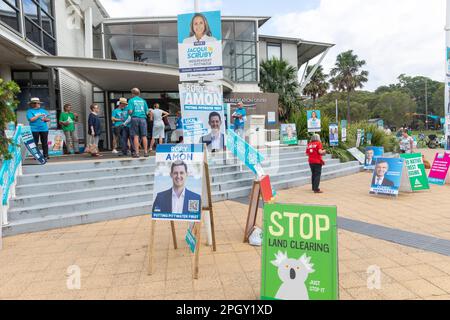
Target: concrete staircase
(66, 194)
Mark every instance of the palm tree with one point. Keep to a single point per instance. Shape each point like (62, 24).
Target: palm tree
(347, 76)
(318, 85)
(277, 76)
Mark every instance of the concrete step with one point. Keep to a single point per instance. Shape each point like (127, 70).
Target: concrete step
(83, 194)
(81, 184)
(285, 184)
(27, 179)
(285, 174)
(86, 217)
(73, 206)
(87, 165)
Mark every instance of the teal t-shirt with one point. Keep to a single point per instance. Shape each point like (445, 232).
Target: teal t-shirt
(119, 114)
(139, 107)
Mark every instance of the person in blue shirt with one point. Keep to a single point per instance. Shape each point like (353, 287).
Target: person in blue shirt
(119, 115)
(239, 116)
(179, 127)
(138, 110)
(38, 119)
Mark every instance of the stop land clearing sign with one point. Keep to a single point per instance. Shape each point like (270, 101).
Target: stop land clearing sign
(299, 253)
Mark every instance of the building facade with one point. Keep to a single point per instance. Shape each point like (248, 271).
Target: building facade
(72, 51)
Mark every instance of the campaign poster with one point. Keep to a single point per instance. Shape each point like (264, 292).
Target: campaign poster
(203, 115)
(387, 176)
(32, 148)
(344, 130)
(177, 190)
(53, 125)
(299, 253)
(56, 140)
(371, 156)
(369, 138)
(416, 171)
(380, 124)
(314, 122)
(357, 154)
(439, 170)
(358, 138)
(289, 134)
(245, 152)
(200, 46)
(334, 135)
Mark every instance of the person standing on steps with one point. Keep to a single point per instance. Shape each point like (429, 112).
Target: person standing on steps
(138, 110)
(315, 151)
(38, 119)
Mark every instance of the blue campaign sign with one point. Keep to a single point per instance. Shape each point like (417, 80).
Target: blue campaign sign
(200, 46)
(314, 122)
(371, 156)
(243, 151)
(387, 176)
(178, 183)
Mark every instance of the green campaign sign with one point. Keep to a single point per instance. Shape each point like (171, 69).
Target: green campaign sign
(299, 253)
(416, 171)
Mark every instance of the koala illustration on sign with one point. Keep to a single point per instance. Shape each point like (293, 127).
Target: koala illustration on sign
(294, 274)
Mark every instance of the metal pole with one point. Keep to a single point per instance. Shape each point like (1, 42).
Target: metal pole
(337, 112)
(196, 6)
(426, 103)
(447, 78)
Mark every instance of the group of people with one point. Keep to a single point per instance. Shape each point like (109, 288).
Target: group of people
(39, 120)
(130, 125)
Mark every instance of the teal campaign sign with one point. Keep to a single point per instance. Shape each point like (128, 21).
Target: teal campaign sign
(243, 151)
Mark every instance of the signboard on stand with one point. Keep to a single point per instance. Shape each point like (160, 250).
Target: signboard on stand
(32, 148)
(344, 130)
(357, 154)
(289, 134)
(299, 253)
(371, 156)
(334, 135)
(178, 173)
(387, 176)
(415, 170)
(203, 115)
(314, 122)
(440, 169)
(56, 141)
(245, 152)
(200, 46)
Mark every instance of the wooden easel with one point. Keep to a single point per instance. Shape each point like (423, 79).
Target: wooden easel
(253, 207)
(206, 197)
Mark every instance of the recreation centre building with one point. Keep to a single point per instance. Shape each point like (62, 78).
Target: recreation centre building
(72, 51)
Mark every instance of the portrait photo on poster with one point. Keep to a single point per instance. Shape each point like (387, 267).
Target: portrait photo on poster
(314, 122)
(200, 46)
(178, 185)
(387, 176)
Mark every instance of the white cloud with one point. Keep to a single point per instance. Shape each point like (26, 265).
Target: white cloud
(394, 37)
(151, 8)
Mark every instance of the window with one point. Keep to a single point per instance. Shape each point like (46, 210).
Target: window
(9, 14)
(39, 24)
(273, 51)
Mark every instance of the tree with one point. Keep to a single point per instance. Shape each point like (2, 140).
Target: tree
(396, 108)
(8, 103)
(277, 76)
(415, 86)
(437, 104)
(347, 75)
(318, 85)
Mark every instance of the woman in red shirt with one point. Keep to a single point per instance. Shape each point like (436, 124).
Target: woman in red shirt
(315, 152)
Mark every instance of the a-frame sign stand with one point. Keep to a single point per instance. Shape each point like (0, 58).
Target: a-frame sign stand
(206, 198)
(253, 207)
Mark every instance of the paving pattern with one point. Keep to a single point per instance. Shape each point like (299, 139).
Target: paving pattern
(112, 255)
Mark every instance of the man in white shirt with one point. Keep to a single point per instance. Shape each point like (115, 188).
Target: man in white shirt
(215, 141)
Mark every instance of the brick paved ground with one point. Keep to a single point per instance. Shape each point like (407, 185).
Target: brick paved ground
(113, 264)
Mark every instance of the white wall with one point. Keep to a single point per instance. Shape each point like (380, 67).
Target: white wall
(5, 72)
(289, 53)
